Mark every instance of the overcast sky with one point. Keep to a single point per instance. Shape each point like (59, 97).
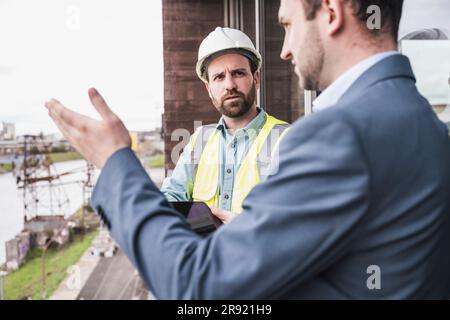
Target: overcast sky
(60, 48)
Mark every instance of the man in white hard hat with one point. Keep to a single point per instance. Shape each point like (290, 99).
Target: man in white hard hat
(224, 161)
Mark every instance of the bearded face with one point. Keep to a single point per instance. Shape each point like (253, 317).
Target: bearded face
(234, 103)
(232, 86)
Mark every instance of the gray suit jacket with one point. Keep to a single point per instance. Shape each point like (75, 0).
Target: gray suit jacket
(359, 209)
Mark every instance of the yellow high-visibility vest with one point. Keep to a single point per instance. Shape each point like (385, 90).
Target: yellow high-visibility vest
(205, 145)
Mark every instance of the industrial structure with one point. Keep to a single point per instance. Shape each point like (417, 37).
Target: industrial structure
(45, 202)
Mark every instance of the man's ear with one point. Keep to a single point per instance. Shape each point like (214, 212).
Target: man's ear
(333, 12)
(257, 79)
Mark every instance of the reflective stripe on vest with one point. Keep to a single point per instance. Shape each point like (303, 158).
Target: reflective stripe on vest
(254, 167)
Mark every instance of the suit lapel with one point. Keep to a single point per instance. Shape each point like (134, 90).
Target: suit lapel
(396, 66)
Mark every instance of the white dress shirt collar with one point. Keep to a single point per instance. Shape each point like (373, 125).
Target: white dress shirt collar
(331, 95)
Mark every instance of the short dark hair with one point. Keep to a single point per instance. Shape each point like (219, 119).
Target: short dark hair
(391, 12)
(252, 60)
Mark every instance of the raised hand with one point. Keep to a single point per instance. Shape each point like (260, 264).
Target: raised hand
(95, 140)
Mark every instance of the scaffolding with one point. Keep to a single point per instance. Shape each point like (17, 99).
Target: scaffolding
(41, 186)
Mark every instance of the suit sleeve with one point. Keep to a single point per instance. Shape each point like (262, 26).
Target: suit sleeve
(294, 225)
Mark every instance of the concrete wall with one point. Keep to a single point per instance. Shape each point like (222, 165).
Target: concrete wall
(44, 228)
(45, 224)
(37, 232)
(16, 250)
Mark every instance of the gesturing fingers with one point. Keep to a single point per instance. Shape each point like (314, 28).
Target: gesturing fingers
(54, 110)
(71, 120)
(95, 140)
(100, 105)
(62, 114)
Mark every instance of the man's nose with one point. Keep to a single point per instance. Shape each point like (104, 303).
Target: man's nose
(230, 84)
(285, 52)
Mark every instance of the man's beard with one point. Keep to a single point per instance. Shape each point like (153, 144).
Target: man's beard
(311, 63)
(237, 108)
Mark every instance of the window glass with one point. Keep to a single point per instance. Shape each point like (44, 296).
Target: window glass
(424, 37)
(430, 60)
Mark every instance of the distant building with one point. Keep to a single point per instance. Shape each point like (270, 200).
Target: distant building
(7, 131)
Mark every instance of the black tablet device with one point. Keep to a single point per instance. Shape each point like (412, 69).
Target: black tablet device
(198, 215)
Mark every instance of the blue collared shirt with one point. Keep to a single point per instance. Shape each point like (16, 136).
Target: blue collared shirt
(331, 95)
(233, 148)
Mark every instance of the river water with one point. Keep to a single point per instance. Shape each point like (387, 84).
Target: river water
(11, 203)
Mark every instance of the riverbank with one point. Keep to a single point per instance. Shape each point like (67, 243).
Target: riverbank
(55, 157)
(65, 156)
(26, 283)
(5, 167)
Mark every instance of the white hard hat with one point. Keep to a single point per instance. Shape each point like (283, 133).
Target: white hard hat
(224, 39)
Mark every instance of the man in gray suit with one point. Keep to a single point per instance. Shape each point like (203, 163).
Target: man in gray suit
(359, 207)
